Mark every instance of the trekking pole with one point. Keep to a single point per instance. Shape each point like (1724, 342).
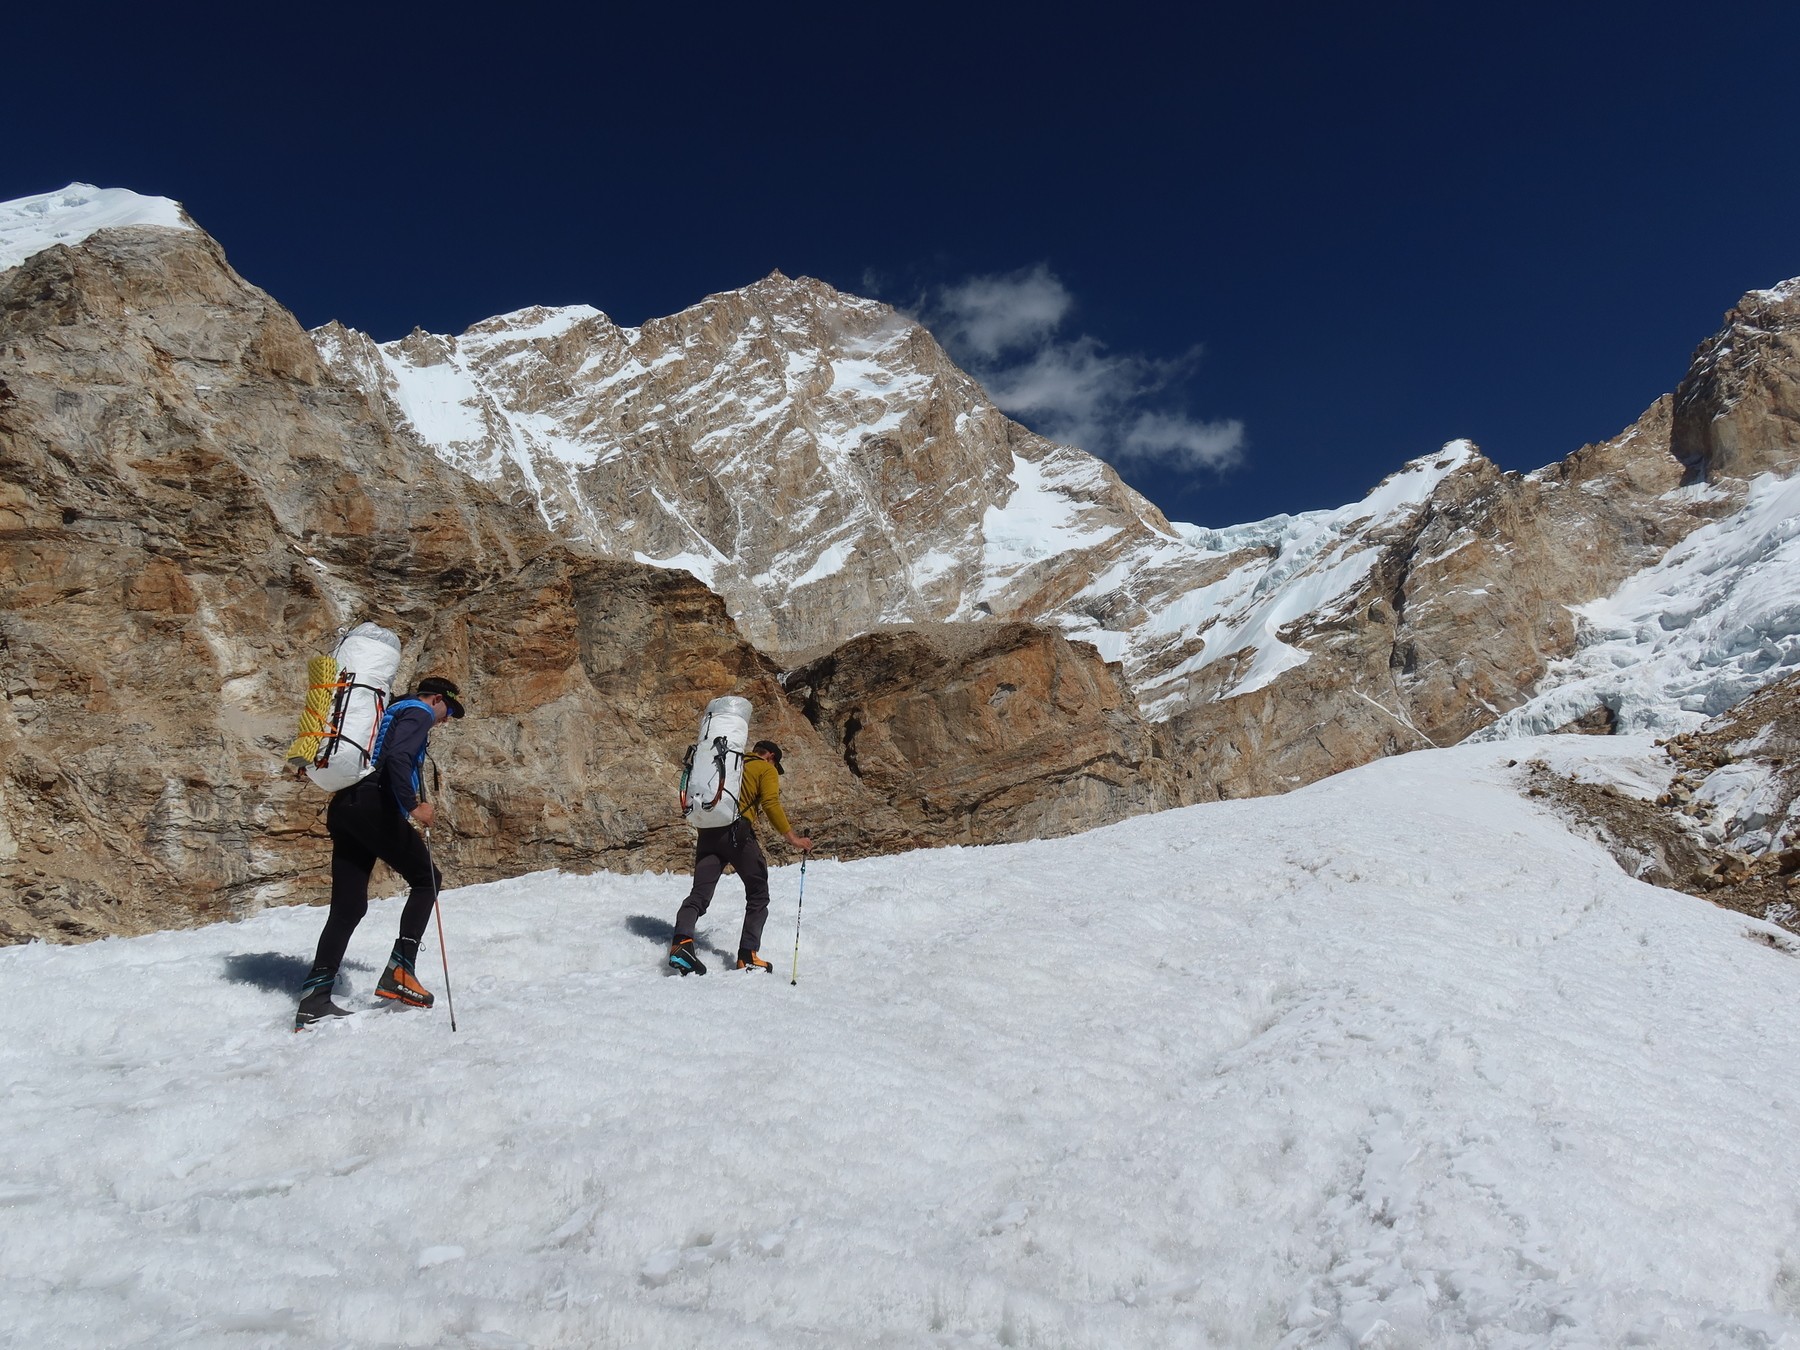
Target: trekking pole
(797, 909)
(438, 912)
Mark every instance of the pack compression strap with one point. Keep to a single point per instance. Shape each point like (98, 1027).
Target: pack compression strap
(333, 735)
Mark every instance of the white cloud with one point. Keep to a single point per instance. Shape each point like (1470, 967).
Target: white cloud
(1005, 330)
(1175, 438)
(990, 316)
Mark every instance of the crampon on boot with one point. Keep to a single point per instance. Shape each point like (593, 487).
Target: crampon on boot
(398, 982)
(684, 958)
(315, 998)
(749, 960)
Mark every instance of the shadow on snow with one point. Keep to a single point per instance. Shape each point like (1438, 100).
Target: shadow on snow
(277, 972)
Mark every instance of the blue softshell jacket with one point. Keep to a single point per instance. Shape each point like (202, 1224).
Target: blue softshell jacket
(400, 751)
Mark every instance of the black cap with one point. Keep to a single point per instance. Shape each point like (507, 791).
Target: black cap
(444, 689)
(771, 749)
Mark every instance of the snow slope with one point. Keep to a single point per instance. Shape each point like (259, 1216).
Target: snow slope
(1393, 1060)
(30, 225)
(1715, 620)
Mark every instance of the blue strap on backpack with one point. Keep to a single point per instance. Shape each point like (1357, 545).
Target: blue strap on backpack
(387, 720)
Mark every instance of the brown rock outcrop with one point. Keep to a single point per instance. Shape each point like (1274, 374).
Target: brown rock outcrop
(1737, 413)
(986, 733)
(1728, 826)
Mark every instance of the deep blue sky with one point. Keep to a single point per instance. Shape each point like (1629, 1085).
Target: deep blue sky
(1383, 227)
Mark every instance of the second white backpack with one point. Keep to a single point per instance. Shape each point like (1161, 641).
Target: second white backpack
(714, 773)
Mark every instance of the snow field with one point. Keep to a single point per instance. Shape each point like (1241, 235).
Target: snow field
(29, 225)
(1395, 1060)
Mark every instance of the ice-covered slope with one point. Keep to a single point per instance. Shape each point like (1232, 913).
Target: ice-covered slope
(1711, 623)
(29, 225)
(1392, 1061)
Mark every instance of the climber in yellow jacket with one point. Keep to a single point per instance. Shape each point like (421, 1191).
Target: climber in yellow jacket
(735, 844)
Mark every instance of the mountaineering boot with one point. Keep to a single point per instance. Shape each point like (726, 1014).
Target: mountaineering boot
(684, 958)
(397, 981)
(749, 960)
(315, 998)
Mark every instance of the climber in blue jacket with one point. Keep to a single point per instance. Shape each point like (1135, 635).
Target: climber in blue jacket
(375, 819)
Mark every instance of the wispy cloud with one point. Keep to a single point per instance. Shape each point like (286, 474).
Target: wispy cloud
(991, 317)
(1007, 331)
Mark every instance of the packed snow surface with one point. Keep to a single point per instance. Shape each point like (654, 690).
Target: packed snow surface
(30, 225)
(1394, 1060)
(1714, 621)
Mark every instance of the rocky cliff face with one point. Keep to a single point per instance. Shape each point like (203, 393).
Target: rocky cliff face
(191, 504)
(197, 494)
(813, 457)
(819, 462)
(986, 733)
(1462, 602)
(1737, 414)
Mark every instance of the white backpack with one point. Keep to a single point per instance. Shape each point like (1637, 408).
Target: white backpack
(713, 773)
(346, 694)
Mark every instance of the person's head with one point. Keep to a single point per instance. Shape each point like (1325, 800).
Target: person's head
(441, 694)
(768, 750)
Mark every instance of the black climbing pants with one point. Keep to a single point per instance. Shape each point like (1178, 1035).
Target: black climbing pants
(366, 826)
(734, 844)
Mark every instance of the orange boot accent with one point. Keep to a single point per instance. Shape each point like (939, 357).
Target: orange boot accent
(397, 983)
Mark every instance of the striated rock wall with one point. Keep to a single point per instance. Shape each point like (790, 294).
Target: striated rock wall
(986, 733)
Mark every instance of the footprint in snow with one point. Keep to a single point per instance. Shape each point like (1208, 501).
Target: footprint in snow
(665, 1265)
(1010, 1218)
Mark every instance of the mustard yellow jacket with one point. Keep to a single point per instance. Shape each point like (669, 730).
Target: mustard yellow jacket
(761, 791)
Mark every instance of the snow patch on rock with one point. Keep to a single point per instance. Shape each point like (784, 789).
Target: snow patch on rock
(29, 225)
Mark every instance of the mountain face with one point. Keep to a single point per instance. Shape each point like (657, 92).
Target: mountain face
(814, 458)
(959, 631)
(818, 461)
(1737, 414)
(191, 504)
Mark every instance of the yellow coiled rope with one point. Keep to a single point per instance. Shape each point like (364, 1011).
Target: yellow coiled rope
(321, 690)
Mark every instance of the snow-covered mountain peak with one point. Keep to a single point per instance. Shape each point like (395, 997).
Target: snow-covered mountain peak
(1780, 293)
(29, 225)
(534, 323)
(770, 440)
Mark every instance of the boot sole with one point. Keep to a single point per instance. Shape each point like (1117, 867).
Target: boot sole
(404, 1000)
(302, 1023)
